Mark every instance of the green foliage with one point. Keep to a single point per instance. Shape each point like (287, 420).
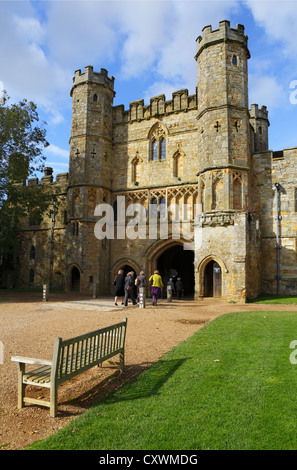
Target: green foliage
(230, 386)
(22, 142)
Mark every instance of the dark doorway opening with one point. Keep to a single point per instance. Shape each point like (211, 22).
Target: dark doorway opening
(177, 262)
(75, 279)
(127, 269)
(212, 280)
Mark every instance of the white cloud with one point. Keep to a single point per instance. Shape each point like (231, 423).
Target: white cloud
(279, 19)
(265, 90)
(54, 150)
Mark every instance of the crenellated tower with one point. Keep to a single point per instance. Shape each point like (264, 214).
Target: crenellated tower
(91, 128)
(223, 116)
(89, 177)
(224, 163)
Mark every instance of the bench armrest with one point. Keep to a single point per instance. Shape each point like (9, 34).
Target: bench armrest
(31, 360)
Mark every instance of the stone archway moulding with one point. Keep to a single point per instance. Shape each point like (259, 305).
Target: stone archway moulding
(157, 249)
(123, 262)
(201, 272)
(209, 258)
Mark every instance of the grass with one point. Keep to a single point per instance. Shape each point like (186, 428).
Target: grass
(230, 386)
(275, 299)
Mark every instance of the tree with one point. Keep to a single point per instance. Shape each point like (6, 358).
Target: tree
(22, 142)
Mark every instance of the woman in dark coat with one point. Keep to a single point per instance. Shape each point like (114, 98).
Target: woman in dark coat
(119, 284)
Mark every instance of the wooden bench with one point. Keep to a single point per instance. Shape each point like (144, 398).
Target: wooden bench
(70, 358)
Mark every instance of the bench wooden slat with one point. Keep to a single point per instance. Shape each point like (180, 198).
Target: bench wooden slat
(71, 357)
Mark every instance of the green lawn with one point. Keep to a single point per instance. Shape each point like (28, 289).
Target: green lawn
(230, 386)
(275, 299)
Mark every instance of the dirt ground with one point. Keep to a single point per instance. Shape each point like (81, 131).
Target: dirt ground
(29, 326)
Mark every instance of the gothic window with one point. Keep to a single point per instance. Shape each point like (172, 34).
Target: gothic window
(163, 149)
(95, 98)
(155, 150)
(32, 252)
(234, 60)
(158, 143)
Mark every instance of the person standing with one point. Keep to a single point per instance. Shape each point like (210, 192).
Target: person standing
(156, 286)
(129, 289)
(141, 280)
(170, 289)
(179, 288)
(141, 285)
(119, 284)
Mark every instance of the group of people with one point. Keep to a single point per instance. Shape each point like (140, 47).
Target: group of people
(127, 286)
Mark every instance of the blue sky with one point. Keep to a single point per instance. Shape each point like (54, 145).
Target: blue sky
(149, 47)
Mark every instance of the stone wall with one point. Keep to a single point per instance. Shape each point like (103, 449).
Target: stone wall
(271, 168)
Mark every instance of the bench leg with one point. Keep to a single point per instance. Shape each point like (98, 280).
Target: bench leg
(122, 361)
(53, 400)
(21, 385)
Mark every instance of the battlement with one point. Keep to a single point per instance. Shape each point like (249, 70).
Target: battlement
(90, 76)
(224, 33)
(159, 106)
(257, 113)
(61, 178)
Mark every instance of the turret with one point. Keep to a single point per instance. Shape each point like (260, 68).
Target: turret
(91, 128)
(259, 123)
(223, 116)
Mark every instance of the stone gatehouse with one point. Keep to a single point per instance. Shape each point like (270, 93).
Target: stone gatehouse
(207, 151)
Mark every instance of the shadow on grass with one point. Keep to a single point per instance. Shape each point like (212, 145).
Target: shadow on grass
(112, 387)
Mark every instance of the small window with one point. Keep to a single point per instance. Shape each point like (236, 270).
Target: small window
(31, 276)
(32, 252)
(95, 98)
(234, 60)
(75, 227)
(260, 130)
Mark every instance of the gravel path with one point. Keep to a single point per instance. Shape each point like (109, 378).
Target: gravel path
(28, 327)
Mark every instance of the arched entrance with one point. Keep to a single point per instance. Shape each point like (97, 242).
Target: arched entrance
(127, 268)
(126, 265)
(212, 279)
(176, 262)
(75, 279)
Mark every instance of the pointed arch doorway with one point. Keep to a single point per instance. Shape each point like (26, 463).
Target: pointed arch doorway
(172, 260)
(75, 279)
(212, 279)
